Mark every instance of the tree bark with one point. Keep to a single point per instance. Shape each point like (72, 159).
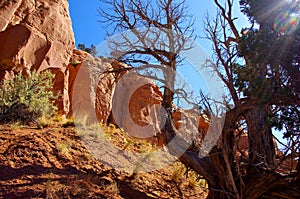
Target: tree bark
(261, 143)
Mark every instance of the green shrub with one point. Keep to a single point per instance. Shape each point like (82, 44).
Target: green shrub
(27, 99)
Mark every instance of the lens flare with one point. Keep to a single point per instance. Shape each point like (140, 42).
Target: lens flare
(287, 22)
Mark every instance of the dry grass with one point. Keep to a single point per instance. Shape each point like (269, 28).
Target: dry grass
(178, 173)
(15, 126)
(42, 122)
(63, 148)
(65, 169)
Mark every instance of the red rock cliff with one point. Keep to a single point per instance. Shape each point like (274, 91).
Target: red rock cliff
(36, 35)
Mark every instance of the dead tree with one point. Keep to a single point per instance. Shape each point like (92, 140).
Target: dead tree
(156, 32)
(150, 32)
(255, 174)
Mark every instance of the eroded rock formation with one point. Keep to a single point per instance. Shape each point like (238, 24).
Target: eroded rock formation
(92, 91)
(37, 35)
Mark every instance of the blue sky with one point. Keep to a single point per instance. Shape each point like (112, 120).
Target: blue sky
(88, 30)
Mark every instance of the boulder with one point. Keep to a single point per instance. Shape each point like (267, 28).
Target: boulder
(92, 91)
(137, 105)
(185, 118)
(105, 89)
(111, 92)
(242, 144)
(37, 35)
(90, 88)
(81, 87)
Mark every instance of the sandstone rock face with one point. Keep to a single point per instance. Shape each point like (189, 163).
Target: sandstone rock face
(136, 105)
(90, 88)
(241, 149)
(92, 91)
(185, 118)
(60, 86)
(129, 101)
(105, 89)
(187, 123)
(123, 98)
(37, 35)
(140, 103)
(73, 69)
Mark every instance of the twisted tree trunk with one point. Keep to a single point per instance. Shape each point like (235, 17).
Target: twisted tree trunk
(221, 169)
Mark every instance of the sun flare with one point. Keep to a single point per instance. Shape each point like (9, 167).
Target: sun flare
(288, 21)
